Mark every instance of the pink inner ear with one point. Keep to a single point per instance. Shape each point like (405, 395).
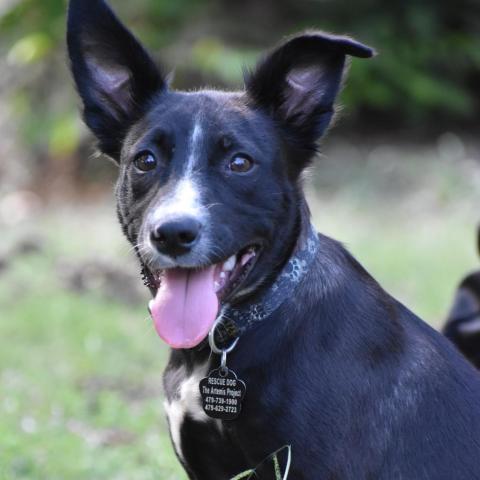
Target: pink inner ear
(113, 84)
(304, 90)
(300, 77)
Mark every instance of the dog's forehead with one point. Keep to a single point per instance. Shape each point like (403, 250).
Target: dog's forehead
(209, 107)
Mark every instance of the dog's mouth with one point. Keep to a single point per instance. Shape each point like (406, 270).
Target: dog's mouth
(188, 300)
(230, 275)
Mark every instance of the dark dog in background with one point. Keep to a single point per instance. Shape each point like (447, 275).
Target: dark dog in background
(463, 323)
(210, 194)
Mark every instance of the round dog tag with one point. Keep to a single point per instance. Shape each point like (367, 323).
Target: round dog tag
(222, 394)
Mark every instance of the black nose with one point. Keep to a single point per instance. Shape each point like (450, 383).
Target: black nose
(176, 237)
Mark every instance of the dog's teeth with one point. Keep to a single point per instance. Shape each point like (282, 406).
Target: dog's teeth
(216, 285)
(245, 258)
(229, 265)
(223, 275)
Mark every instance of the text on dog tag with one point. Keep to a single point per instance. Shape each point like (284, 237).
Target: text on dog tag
(222, 394)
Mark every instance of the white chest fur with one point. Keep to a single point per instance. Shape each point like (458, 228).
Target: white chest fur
(187, 401)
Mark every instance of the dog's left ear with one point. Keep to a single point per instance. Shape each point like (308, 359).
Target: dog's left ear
(298, 81)
(115, 75)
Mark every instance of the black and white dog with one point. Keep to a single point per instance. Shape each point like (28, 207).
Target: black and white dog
(463, 322)
(210, 194)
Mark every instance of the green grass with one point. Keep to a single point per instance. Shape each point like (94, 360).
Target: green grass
(80, 374)
(80, 383)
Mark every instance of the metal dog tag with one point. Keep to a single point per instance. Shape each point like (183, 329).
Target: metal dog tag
(222, 394)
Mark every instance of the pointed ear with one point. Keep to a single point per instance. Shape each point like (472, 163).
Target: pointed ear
(298, 81)
(114, 74)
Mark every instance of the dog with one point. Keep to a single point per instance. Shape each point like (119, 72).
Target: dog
(463, 323)
(210, 195)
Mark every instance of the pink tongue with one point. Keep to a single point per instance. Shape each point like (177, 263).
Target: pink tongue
(185, 306)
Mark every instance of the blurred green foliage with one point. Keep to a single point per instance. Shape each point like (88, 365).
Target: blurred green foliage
(427, 70)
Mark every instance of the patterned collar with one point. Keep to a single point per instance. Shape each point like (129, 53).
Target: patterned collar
(237, 320)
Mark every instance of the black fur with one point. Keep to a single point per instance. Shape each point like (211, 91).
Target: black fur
(463, 323)
(355, 382)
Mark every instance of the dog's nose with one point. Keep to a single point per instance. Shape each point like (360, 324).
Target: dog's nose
(176, 237)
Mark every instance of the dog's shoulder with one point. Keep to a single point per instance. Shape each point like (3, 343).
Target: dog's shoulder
(346, 298)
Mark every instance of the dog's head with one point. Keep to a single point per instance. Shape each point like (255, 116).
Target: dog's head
(208, 189)
(463, 323)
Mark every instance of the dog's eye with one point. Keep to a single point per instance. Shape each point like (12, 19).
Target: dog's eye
(145, 161)
(241, 164)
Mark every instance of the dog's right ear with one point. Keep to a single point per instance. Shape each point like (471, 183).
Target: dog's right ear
(114, 74)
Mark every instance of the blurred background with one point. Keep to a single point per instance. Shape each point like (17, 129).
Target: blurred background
(398, 181)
